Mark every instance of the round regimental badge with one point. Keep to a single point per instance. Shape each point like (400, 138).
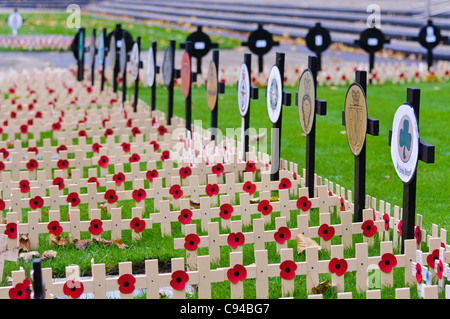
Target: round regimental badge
(112, 51)
(243, 89)
(405, 142)
(168, 66)
(150, 67)
(123, 56)
(185, 74)
(211, 86)
(101, 49)
(135, 61)
(274, 94)
(306, 100)
(80, 45)
(355, 117)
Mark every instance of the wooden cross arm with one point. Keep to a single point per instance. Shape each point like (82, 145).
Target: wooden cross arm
(254, 92)
(176, 73)
(221, 87)
(193, 76)
(373, 125)
(157, 69)
(321, 107)
(426, 150)
(286, 98)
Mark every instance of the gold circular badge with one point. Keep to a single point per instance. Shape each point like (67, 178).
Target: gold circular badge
(211, 86)
(306, 100)
(355, 117)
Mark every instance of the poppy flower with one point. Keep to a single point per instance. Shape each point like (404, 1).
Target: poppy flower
(5, 152)
(191, 242)
(341, 201)
(13, 114)
(63, 164)
(103, 161)
(36, 202)
(32, 165)
(212, 189)
(126, 147)
(304, 203)
(96, 147)
(250, 166)
(432, 257)
(2, 204)
(108, 132)
(338, 266)
(225, 211)
(155, 145)
(137, 224)
(185, 216)
(151, 174)
(24, 186)
(185, 172)
(165, 155)
(217, 169)
(387, 262)
(119, 178)
(21, 290)
(288, 268)
(126, 283)
(440, 269)
(419, 273)
(56, 126)
(179, 279)
(11, 230)
(285, 183)
(237, 273)
(249, 187)
(54, 228)
(139, 194)
(30, 122)
(38, 115)
(326, 232)
(399, 227)
(386, 221)
(264, 207)
(235, 239)
(282, 234)
(417, 235)
(369, 228)
(130, 123)
(95, 227)
(134, 158)
(162, 130)
(135, 131)
(176, 191)
(111, 196)
(94, 179)
(60, 148)
(33, 149)
(74, 199)
(82, 133)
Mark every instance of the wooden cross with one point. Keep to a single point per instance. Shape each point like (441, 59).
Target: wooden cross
(38, 283)
(123, 50)
(426, 155)
(188, 94)
(92, 54)
(157, 68)
(136, 81)
(103, 59)
(360, 160)
(6, 254)
(320, 109)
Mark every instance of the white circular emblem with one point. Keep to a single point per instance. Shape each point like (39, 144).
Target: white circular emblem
(112, 51)
(123, 56)
(243, 89)
(274, 94)
(135, 61)
(150, 67)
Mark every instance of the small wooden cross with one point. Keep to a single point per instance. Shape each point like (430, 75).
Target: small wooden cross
(6, 254)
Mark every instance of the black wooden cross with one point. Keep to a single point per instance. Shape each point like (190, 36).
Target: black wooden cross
(120, 36)
(93, 52)
(429, 37)
(78, 50)
(426, 155)
(372, 40)
(360, 160)
(136, 80)
(124, 73)
(156, 71)
(318, 39)
(175, 74)
(38, 283)
(188, 95)
(103, 58)
(320, 109)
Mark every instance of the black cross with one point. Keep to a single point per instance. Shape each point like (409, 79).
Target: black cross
(153, 88)
(372, 40)
(105, 48)
(124, 75)
(360, 160)
(320, 109)
(426, 155)
(94, 36)
(38, 283)
(430, 44)
(188, 99)
(175, 75)
(136, 81)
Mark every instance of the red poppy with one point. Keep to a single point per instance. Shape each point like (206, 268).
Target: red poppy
(326, 232)
(24, 186)
(5, 152)
(111, 196)
(162, 130)
(399, 227)
(304, 203)
(135, 131)
(2, 204)
(264, 207)
(185, 172)
(185, 216)
(126, 147)
(108, 132)
(54, 228)
(103, 161)
(30, 122)
(386, 219)
(338, 266)
(165, 155)
(341, 201)
(32, 165)
(36, 202)
(387, 262)
(38, 115)
(176, 191)
(63, 164)
(82, 133)
(119, 178)
(249, 187)
(212, 189)
(137, 224)
(126, 283)
(13, 114)
(288, 268)
(94, 179)
(139, 194)
(74, 199)
(250, 166)
(419, 273)
(179, 279)
(417, 235)
(134, 158)
(432, 257)
(11, 230)
(62, 147)
(33, 149)
(285, 183)
(151, 174)
(96, 147)
(21, 290)
(56, 126)
(225, 211)
(130, 123)
(218, 169)
(440, 269)
(237, 273)
(282, 234)
(95, 227)
(369, 228)
(155, 145)
(235, 239)
(191, 242)
(2, 166)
